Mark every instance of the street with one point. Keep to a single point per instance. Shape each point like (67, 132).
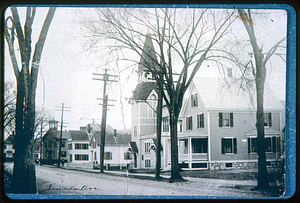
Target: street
(62, 181)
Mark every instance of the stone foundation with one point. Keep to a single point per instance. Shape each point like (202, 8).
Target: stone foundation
(232, 165)
(241, 165)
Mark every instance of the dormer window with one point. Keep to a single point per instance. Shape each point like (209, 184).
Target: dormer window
(194, 100)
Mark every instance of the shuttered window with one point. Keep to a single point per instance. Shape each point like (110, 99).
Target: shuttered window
(225, 119)
(229, 145)
(189, 123)
(200, 120)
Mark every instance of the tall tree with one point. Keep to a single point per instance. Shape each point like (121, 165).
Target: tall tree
(24, 176)
(259, 73)
(183, 37)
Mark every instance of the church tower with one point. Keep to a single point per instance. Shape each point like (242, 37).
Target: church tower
(143, 102)
(148, 60)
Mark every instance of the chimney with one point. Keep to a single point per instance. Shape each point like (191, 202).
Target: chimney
(229, 72)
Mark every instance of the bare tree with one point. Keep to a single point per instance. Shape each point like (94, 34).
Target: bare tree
(9, 109)
(252, 77)
(24, 176)
(182, 42)
(259, 72)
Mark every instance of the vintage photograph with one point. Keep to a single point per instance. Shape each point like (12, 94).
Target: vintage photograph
(145, 101)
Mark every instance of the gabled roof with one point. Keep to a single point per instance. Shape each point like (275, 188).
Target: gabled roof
(110, 139)
(221, 94)
(56, 134)
(8, 140)
(143, 89)
(78, 135)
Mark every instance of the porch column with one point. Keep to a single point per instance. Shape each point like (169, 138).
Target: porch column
(208, 133)
(190, 151)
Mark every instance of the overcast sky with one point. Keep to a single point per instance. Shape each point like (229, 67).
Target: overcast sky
(66, 68)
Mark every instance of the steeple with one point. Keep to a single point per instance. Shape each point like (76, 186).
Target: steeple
(148, 60)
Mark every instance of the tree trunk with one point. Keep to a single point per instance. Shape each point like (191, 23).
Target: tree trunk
(158, 131)
(175, 169)
(24, 179)
(262, 181)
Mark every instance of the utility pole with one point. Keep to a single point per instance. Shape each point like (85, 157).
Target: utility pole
(104, 113)
(61, 131)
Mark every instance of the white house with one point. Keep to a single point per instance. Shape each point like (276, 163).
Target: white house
(216, 127)
(116, 150)
(9, 150)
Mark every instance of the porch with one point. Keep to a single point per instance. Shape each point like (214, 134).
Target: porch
(193, 152)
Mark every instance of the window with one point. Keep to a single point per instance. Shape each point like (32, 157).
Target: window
(268, 141)
(199, 145)
(95, 155)
(127, 156)
(63, 144)
(268, 119)
(272, 144)
(228, 165)
(229, 145)
(147, 163)
(252, 145)
(225, 119)
(70, 158)
(194, 100)
(85, 146)
(135, 131)
(46, 145)
(179, 125)
(107, 155)
(152, 105)
(81, 146)
(54, 144)
(81, 157)
(9, 154)
(165, 124)
(50, 144)
(147, 147)
(70, 146)
(183, 146)
(5, 146)
(189, 123)
(77, 146)
(63, 154)
(200, 120)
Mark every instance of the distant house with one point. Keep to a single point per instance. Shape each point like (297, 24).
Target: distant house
(84, 147)
(216, 126)
(9, 150)
(116, 149)
(51, 141)
(79, 152)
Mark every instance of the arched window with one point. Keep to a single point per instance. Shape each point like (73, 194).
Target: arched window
(152, 105)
